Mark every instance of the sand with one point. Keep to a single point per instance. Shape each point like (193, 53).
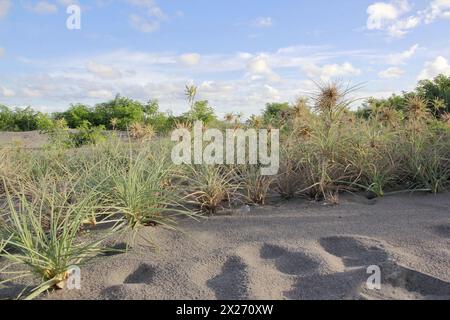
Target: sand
(293, 250)
(288, 250)
(27, 140)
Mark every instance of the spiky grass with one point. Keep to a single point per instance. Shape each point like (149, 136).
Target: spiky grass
(141, 131)
(141, 191)
(210, 187)
(256, 186)
(44, 236)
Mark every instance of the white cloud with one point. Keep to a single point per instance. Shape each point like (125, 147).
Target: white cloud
(5, 5)
(103, 71)
(7, 93)
(151, 18)
(400, 58)
(2, 52)
(190, 59)
(391, 73)
(437, 9)
(259, 66)
(143, 24)
(31, 92)
(240, 81)
(42, 7)
(262, 22)
(272, 94)
(381, 14)
(401, 27)
(433, 68)
(328, 71)
(391, 16)
(100, 94)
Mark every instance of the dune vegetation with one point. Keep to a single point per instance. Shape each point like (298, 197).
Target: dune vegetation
(61, 205)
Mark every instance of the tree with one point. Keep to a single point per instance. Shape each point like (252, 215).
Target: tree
(77, 114)
(201, 111)
(127, 111)
(25, 119)
(44, 122)
(151, 108)
(6, 119)
(436, 91)
(276, 112)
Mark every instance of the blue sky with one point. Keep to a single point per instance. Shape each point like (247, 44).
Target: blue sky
(241, 54)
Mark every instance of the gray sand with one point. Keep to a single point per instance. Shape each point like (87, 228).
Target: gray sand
(27, 140)
(295, 250)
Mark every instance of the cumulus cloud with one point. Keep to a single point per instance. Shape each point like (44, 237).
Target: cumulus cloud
(381, 14)
(402, 57)
(103, 71)
(328, 71)
(437, 9)
(190, 59)
(247, 79)
(259, 66)
(5, 5)
(151, 18)
(100, 94)
(42, 7)
(7, 93)
(31, 92)
(391, 73)
(392, 17)
(262, 22)
(433, 68)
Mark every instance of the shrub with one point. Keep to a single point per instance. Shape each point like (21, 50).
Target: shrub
(255, 186)
(87, 134)
(44, 235)
(141, 131)
(210, 186)
(140, 191)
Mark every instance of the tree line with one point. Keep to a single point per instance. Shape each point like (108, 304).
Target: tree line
(120, 113)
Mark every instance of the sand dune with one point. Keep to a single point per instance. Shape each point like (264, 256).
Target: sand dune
(293, 250)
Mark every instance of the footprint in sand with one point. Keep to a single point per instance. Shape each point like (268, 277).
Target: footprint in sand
(358, 253)
(442, 230)
(232, 282)
(142, 275)
(129, 282)
(288, 262)
(355, 251)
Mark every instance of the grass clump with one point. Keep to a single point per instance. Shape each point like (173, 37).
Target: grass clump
(44, 234)
(210, 187)
(141, 191)
(255, 186)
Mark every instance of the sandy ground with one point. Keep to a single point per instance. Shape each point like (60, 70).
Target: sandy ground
(294, 250)
(27, 140)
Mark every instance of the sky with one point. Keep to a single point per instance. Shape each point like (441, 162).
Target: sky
(240, 54)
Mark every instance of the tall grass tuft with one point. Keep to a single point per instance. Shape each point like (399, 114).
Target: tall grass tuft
(44, 235)
(139, 190)
(256, 186)
(210, 187)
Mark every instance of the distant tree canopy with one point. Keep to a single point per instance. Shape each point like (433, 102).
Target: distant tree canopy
(274, 112)
(121, 112)
(436, 92)
(125, 111)
(23, 119)
(201, 111)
